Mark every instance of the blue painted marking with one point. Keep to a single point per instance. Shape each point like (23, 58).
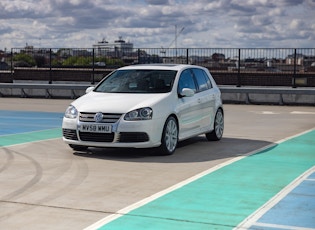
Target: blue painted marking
(312, 176)
(13, 122)
(224, 198)
(296, 210)
(263, 228)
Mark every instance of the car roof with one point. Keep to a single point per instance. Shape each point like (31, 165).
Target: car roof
(159, 66)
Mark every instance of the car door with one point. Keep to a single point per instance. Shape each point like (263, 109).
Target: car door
(206, 99)
(188, 107)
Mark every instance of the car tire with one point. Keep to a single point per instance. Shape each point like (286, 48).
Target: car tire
(78, 147)
(169, 137)
(218, 128)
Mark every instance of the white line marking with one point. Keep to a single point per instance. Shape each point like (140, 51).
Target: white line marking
(265, 112)
(29, 142)
(30, 132)
(296, 135)
(302, 112)
(269, 112)
(155, 196)
(278, 226)
(254, 217)
(136, 205)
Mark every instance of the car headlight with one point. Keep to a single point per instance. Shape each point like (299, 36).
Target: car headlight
(139, 114)
(71, 112)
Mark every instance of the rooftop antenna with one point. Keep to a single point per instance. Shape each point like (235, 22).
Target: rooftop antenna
(176, 36)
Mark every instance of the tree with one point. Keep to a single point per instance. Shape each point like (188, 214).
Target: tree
(23, 59)
(77, 61)
(40, 60)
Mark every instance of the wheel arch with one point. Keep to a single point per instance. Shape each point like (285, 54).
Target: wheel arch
(221, 108)
(170, 115)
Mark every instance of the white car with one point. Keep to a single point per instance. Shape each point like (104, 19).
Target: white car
(146, 106)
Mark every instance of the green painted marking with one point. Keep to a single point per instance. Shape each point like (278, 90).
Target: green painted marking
(224, 198)
(30, 137)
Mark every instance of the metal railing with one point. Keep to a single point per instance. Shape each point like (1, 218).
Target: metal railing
(240, 63)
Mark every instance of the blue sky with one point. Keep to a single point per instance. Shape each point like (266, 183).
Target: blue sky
(152, 23)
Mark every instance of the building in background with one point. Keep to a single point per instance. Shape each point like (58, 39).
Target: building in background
(117, 48)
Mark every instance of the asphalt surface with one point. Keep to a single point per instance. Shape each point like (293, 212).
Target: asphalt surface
(46, 185)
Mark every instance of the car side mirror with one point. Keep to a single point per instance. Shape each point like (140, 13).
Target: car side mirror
(89, 89)
(187, 92)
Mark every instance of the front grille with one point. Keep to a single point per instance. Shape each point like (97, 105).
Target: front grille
(107, 117)
(70, 134)
(97, 137)
(133, 137)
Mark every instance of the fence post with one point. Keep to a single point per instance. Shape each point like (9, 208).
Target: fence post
(93, 68)
(294, 70)
(187, 61)
(50, 71)
(239, 69)
(139, 56)
(12, 67)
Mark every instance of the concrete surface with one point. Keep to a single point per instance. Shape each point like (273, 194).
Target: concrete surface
(45, 185)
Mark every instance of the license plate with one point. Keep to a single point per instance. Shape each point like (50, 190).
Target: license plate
(96, 128)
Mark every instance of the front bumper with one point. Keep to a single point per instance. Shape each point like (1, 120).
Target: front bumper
(129, 134)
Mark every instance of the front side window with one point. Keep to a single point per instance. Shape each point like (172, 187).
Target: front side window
(186, 80)
(138, 81)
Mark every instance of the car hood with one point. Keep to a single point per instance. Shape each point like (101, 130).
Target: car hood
(116, 102)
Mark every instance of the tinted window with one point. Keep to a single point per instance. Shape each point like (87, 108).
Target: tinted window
(138, 81)
(202, 79)
(208, 79)
(186, 80)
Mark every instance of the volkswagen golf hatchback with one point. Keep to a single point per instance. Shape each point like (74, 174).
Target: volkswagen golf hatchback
(146, 106)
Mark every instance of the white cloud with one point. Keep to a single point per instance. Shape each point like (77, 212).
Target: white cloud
(150, 23)
(296, 24)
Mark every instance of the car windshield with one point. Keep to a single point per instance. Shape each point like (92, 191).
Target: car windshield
(138, 81)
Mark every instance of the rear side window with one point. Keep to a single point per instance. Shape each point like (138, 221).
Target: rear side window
(203, 80)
